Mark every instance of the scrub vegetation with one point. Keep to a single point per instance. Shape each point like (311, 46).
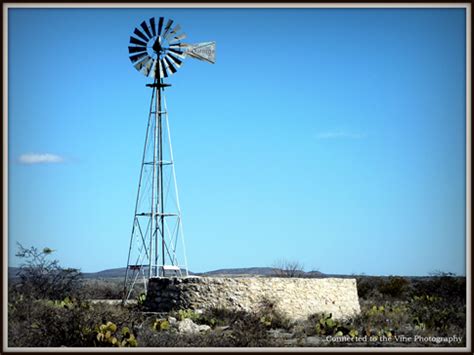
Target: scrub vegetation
(49, 306)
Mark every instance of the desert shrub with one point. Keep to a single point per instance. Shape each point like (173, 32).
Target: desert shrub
(42, 278)
(271, 317)
(268, 316)
(69, 322)
(218, 316)
(368, 287)
(102, 289)
(423, 315)
(215, 338)
(231, 329)
(323, 324)
(437, 314)
(388, 319)
(395, 286)
(250, 331)
(438, 305)
(43, 323)
(443, 285)
(326, 325)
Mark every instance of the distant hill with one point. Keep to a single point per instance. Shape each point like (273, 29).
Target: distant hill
(262, 271)
(250, 271)
(255, 271)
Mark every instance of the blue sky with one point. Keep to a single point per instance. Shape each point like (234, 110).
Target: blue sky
(332, 137)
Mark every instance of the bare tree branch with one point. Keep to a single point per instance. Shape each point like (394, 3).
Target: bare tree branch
(285, 268)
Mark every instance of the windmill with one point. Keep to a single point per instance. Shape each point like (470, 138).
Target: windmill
(157, 51)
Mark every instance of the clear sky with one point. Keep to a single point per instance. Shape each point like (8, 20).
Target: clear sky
(332, 137)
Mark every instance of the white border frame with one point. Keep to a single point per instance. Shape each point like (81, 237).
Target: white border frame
(7, 6)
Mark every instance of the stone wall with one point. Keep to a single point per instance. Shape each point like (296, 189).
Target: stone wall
(297, 298)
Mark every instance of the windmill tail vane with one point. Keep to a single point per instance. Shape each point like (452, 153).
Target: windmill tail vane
(157, 51)
(203, 51)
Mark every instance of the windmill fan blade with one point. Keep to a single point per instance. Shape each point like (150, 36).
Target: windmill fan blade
(176, 29)
(137, 57)
(160, 25)
(140, 34)
(146, 29)
(167, 27)
(174, 59)
(170, 66)
(153, 26)
(173, 69)
(179, 38)
(173, 32)
(177, 52)
(147, 66)
(133, 40)
(164, 67)
(136, 49)
(139, 65)
(178, 45)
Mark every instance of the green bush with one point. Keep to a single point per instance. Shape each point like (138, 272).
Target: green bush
(368, 287)
(71, 323)
(241, 329)
(437, 314)
(394, 287)
(388, 319)
(324, 324)
(445, 286)
(220, 316)
(270, 317)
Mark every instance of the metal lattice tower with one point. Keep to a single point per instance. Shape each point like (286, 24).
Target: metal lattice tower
(157, 246)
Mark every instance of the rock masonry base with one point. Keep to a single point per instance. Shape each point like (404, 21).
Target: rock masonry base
(296, 298)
